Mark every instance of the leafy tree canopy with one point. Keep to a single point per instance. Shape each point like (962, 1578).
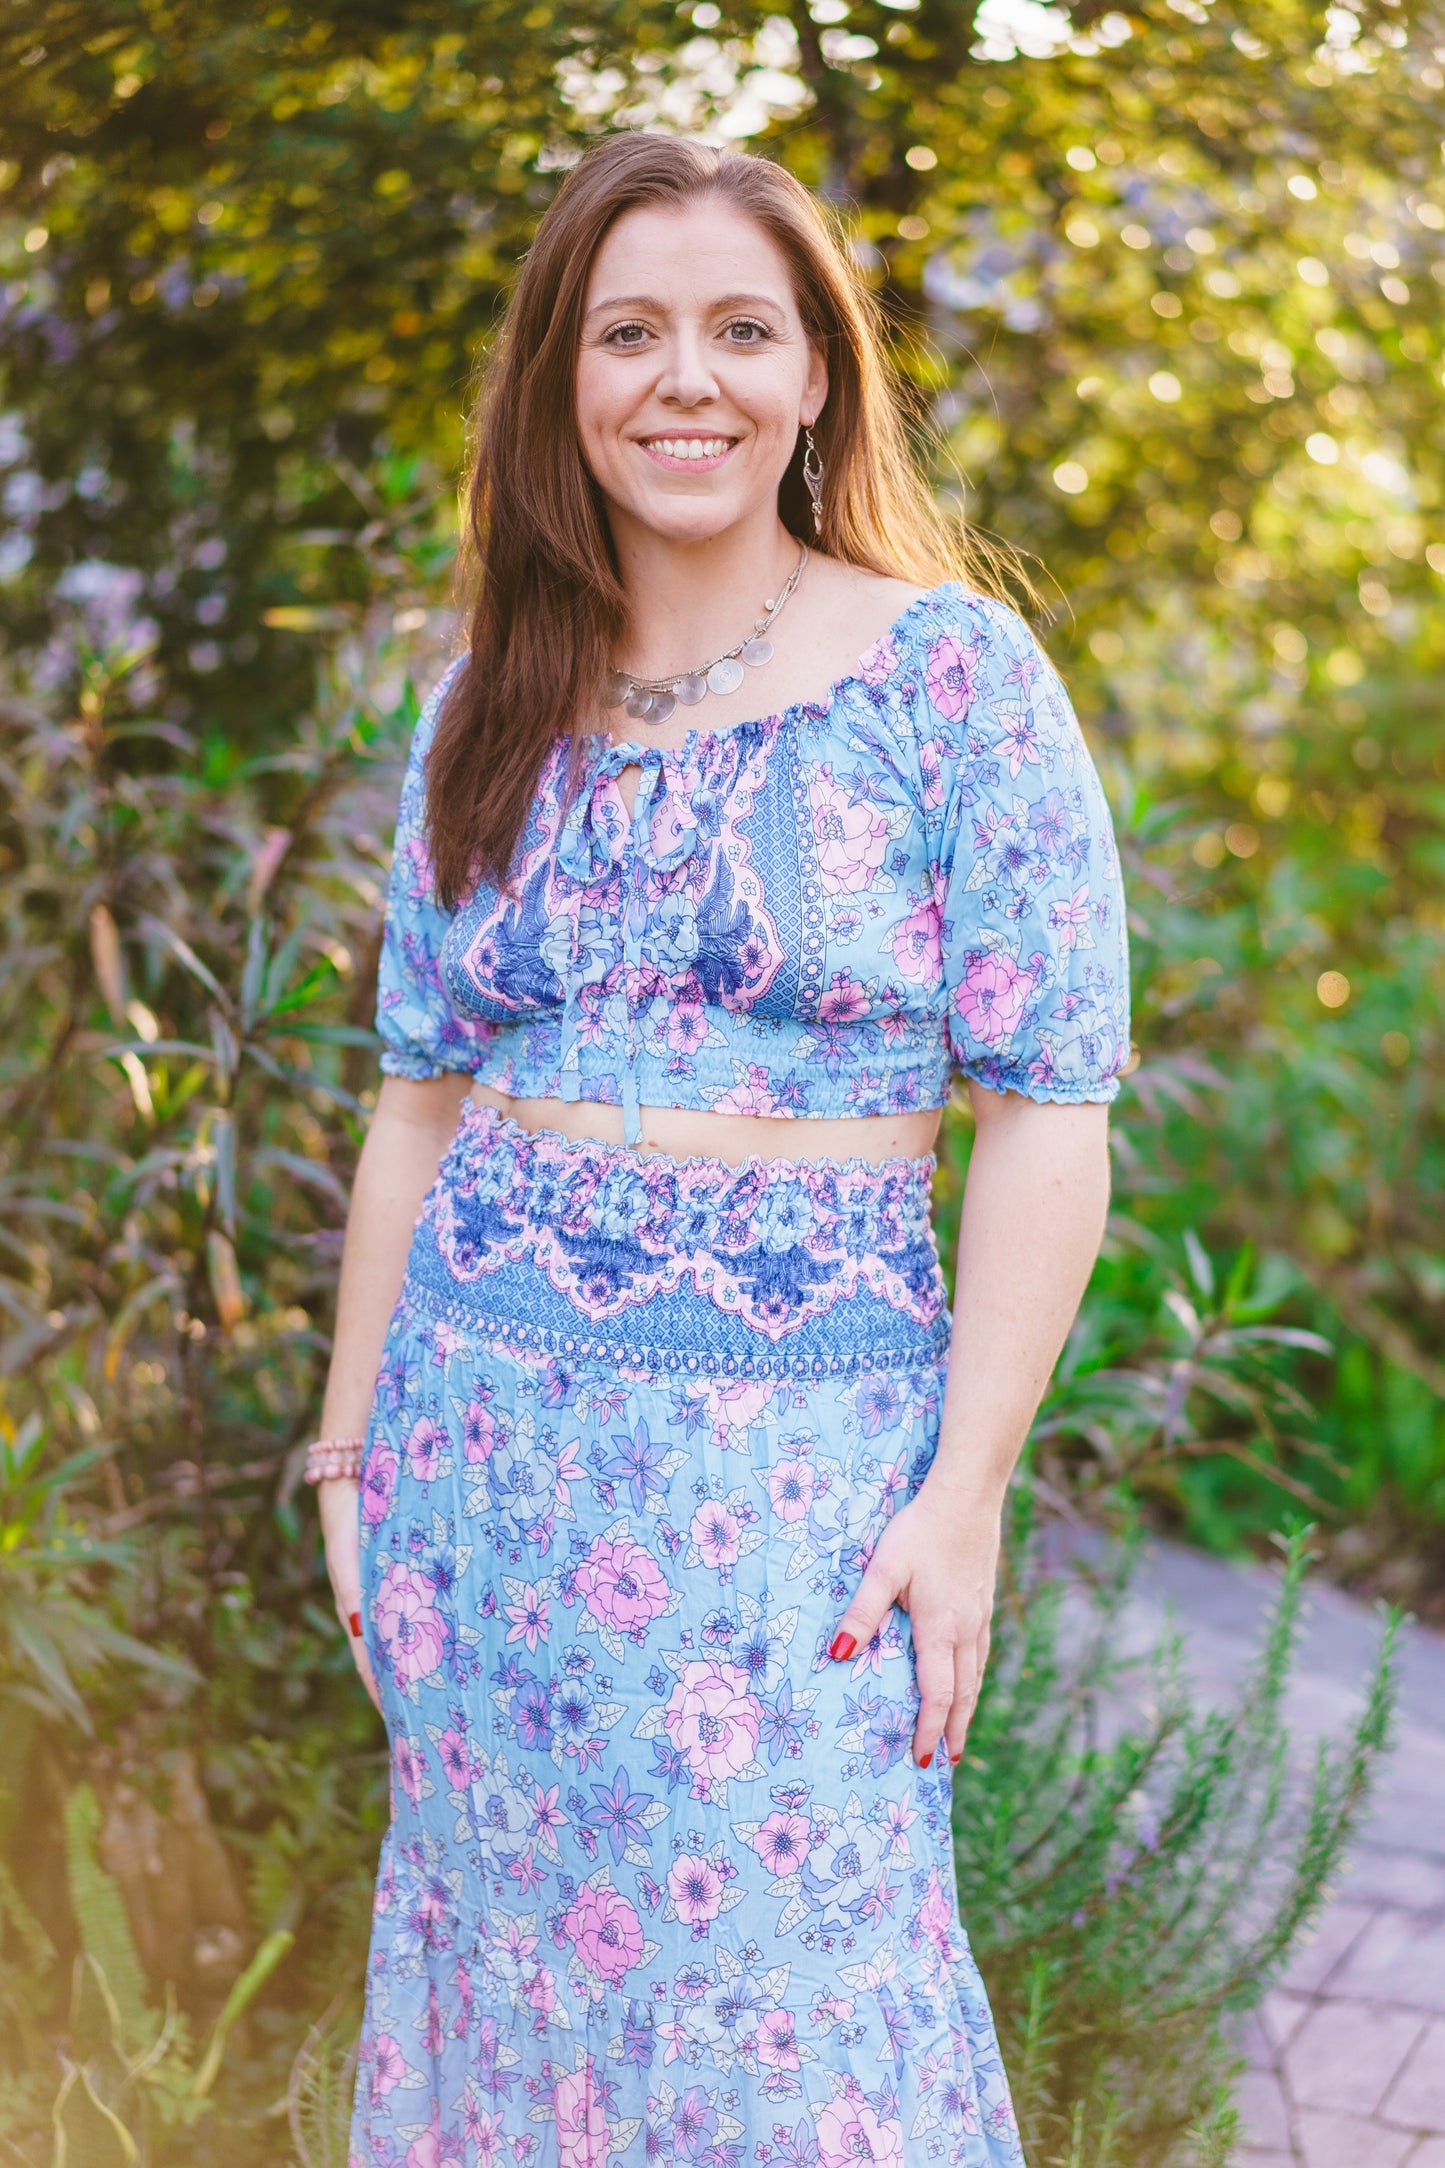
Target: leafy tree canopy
(1171, 278)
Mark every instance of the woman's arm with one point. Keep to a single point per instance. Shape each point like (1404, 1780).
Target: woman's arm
(410, 1130)
(1033, 1217)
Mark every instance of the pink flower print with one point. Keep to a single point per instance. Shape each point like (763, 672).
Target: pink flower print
(567, 1470)
(1070, 920)
(481, 1431)
(750, 1093)
(851, 2132)
(1019, 741)
(900, 1819)
(696, 1888)
(947, 2075)
(525, 1872)
(992, 997)
(736, 1408)
(424, 1446)
(410, 1765)
(378, 1485)
(783, 1842)
(851, 839)
(530, 1616)
(936, 1918)
(716, 1533)
(950, 675)
(880, 662)
(417, 870)
(446, 1342)
(456, 1758)
(389, 2066)
(548, 1820)
(606, 1933)
(790, 1487)
(917, 945)
(622, 1584)
(408, 1623)
(518, 1943)
(541, 1989)
(713, 1721)
(777, 2041)
(1041, 1069)
(581, 2123)
(431, 2150)
(686, 1027)
(845, 999)
(485, 2135)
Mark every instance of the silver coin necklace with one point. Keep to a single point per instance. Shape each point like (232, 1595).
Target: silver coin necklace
(652, 700)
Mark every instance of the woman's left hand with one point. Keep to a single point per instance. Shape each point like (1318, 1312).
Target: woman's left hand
(937, 1560)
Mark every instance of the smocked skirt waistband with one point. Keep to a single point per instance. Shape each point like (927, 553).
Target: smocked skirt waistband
(805, 1268)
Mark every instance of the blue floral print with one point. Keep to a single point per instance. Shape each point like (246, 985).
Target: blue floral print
(663, 1883)
(824, 912)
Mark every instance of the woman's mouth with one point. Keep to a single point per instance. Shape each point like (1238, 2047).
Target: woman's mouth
(688, 453)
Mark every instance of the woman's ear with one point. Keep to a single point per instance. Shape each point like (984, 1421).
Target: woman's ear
(815, 389)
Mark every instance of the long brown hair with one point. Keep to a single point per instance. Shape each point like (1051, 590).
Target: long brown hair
(549, 607)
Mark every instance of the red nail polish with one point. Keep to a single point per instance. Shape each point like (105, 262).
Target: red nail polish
(843, 1646)
(353, 1620)
(924, 1760)
(955, 1759)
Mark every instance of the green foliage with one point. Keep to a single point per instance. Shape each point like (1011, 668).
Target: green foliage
(185, 1102)
(102, 1926)
(1127, 1899)
(138, 2077)
(49, 1631)
(318, 2098)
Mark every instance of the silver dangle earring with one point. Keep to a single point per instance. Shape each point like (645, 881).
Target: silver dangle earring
(813, 478)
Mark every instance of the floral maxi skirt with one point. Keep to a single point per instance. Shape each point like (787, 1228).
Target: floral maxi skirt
(663, 1883)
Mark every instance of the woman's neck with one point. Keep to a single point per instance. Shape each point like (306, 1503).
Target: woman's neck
(687, 601)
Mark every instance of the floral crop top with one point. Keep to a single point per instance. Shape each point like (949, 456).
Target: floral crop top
(824, 912)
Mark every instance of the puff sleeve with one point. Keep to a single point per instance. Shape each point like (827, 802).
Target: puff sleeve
(422, 1035)
(1026, 870)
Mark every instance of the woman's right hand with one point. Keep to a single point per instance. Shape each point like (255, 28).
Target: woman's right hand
(339, 1500)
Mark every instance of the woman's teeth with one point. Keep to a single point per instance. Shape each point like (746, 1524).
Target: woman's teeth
(691, 447)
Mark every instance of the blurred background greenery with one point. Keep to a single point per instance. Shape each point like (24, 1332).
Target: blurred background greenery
(1165, 287)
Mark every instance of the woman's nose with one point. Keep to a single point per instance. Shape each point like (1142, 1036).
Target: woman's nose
(686, 379)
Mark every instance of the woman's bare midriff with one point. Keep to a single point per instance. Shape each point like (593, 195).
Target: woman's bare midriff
(685, 1132)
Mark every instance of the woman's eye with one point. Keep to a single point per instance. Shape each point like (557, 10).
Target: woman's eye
(745, 332)
(627, 334)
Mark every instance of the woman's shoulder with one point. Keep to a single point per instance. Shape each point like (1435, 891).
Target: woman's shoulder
(954, 608)
(951, 648)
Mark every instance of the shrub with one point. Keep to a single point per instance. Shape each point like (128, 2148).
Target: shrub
(1128, 1897)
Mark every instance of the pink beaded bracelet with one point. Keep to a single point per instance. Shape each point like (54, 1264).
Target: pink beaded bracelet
(330, 1458)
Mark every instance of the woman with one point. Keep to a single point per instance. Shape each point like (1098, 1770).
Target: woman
(673, 1550)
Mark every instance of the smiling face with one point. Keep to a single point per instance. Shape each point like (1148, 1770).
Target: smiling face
(694, 373)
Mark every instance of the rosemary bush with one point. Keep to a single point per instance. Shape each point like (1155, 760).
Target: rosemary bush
(1128, 1897)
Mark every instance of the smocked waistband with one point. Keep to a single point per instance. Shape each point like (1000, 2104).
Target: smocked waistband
(690, 1260)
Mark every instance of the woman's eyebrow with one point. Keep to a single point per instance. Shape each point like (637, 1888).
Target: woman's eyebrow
(625, 301)
(651, 301)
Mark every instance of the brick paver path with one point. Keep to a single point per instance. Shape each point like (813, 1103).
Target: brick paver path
(1347, 2059)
